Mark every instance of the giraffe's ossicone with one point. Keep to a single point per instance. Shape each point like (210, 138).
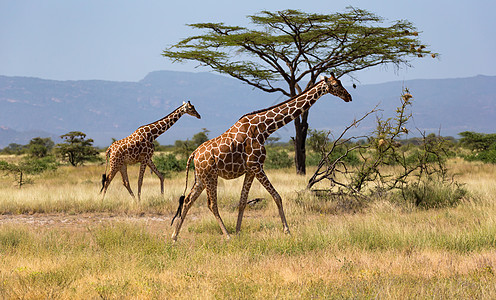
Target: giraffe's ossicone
(240, 151)
(138, 148)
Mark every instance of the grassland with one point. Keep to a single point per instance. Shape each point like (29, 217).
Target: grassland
(59, 239)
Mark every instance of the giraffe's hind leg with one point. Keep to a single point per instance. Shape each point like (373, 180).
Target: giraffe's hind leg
(125, 180)
(195, 192)
(212, 203)
(244, 197)
(277, 198)
(157, 172)
(140, 179)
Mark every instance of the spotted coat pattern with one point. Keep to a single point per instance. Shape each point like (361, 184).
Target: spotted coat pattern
(138, 148)
(240, 150)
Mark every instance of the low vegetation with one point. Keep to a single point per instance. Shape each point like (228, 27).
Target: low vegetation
(387, 218)
(59, 239)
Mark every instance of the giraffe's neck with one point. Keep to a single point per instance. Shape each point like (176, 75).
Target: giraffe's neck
(280, 115)
(155, 129)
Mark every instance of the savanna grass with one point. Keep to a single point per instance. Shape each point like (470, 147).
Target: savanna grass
(341, 258)
(382, 250)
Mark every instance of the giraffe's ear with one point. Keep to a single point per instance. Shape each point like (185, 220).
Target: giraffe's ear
(322, 77)
(184, 102)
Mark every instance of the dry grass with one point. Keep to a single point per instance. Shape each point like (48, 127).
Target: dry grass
(59, 239)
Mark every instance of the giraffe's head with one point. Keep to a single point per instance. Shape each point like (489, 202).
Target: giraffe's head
(334, 87)
(190, 109)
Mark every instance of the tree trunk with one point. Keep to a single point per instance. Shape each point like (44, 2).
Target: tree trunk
(301, 129)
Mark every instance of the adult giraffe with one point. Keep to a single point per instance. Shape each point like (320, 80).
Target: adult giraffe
(240, 150)
(138, 147)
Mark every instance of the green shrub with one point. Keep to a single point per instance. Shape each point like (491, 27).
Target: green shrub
(431, 194)
(417, 156)
(167, 163)
(313, 158)
(327, 202)
(28, 166)
(488, 156)
(277, 159)
(39, 165)
(351, 158)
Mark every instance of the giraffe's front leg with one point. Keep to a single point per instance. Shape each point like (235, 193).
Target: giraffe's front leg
(277, 198)
(244, 197)
(125, 180)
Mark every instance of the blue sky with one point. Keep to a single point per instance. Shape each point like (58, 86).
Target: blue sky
(122, 40)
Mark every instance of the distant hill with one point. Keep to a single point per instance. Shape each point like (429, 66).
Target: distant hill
(31, 107)
(8, 136)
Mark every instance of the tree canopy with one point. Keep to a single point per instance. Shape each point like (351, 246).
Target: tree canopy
(292, 44)
(477, 141)
(76, 149)
(40, 147)
(295, 47)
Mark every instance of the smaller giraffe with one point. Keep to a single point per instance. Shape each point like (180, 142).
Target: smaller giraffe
(138, 148)
(240, 151)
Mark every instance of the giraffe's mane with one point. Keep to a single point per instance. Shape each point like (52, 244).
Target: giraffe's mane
(162, 117)
(278, 104)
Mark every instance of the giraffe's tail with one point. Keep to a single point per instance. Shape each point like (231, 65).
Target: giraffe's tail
(190, 158)
(104, 179)
(181, 199)
(179, 209)
(104, 175)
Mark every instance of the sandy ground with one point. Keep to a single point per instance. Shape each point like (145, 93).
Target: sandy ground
(83, 221)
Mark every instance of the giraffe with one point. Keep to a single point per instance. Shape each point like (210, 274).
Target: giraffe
(240, 151)
(138, 147)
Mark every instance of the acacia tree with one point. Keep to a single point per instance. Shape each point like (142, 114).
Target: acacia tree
(76, 149)
(294, 47)
(477, 141)
(27, 165)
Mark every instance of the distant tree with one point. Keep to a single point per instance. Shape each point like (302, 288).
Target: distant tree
(201, 137)
(167, 163)
(477, 141)
(483, 146)
(14, 148)
(296, 47)
(76, 149)
(271, 140)
(158, 147)
(40, 147)
(318, 140)
(185, 148)
(277, 159)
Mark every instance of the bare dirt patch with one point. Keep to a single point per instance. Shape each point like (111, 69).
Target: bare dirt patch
(83, 221)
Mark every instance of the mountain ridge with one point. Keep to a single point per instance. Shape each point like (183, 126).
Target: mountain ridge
(114, 109)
